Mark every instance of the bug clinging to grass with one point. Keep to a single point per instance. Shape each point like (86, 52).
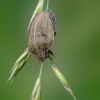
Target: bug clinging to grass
(41, 34)
(41, 31)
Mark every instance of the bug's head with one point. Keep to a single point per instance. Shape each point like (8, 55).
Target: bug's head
(41, 56)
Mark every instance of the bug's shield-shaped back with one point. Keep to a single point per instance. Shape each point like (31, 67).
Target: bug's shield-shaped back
(41, 34)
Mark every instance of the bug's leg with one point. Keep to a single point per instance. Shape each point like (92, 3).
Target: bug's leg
(55, 34)
(50, 52)
(36, 67)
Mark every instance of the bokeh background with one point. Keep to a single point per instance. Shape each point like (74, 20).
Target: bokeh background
(76, 46)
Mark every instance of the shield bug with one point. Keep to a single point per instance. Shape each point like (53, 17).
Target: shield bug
(41, 34)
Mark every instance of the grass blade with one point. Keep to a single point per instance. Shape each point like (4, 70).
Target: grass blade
(37, 10)
(62, 79)
(19, 64)
(36, 94)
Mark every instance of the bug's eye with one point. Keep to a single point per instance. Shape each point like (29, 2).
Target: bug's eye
(53, 18)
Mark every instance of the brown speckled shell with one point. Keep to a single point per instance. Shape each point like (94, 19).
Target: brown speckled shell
(41, 34)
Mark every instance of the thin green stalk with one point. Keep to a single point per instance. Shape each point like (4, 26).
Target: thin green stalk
(47, 5)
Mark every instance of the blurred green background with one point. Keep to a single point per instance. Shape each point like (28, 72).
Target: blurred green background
(76, 46)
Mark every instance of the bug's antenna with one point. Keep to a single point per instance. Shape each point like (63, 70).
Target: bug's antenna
(47, 4)
(36, 67)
